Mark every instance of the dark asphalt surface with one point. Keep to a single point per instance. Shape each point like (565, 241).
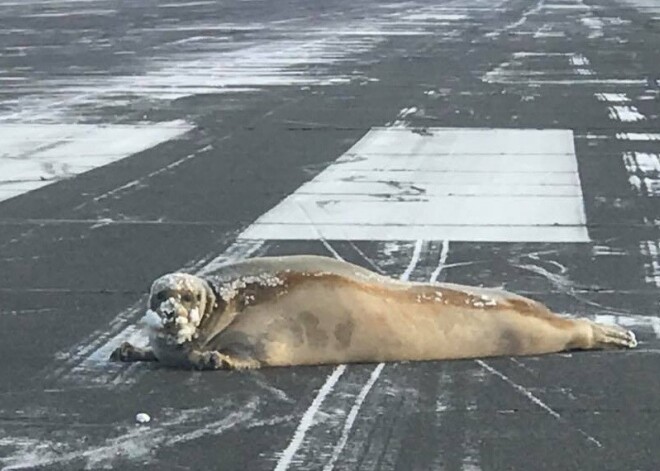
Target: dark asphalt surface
(77, 256)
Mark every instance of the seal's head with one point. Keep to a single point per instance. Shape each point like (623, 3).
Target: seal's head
(177, 304)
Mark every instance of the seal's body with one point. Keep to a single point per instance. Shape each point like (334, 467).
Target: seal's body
(308, 310)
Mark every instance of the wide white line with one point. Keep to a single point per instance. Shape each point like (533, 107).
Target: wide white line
(613, 97)
(392, 185)
(625, 113)
(308, 419)
(36, 155)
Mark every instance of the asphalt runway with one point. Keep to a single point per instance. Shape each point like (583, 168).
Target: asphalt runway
(148, 136)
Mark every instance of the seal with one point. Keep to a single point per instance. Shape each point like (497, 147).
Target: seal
(311, 310)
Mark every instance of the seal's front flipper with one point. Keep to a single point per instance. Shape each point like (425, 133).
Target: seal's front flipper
(215, 360)
(128, 353)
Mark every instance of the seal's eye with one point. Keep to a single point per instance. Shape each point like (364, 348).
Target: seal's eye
(161, 296)
(186, 297)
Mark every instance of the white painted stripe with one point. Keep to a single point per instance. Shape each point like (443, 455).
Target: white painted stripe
(413, 261)
(71, 14)
(308, 419)
(431, 158)
(464, 141)
(468, 233)
(504, 79)
(578, 60)
(529, 395)
(35, 155)
(651, 250)
(613, 97)
(645, 162)
(638, 136)
(400, 187)
(481, 179)
(643, 172)
(441, 263)
(352, 415)
(445, 211)
(443, 183)
(625, 113)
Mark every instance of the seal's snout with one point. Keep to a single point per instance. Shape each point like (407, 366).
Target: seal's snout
(167, 308)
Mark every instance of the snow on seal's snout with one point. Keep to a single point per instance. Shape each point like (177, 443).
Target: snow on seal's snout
(185, 326)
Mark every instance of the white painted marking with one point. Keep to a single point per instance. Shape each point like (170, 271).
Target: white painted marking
(546, 33)
(566, 6)
(434, 17)
(595, 26)
(638, 136)
(521, 71)
(647, 162)
(503, 79)
(636, 183)
(651, 249)
(578, 60)
(613, 97)
(72, 13)
(529, 395)
(352, 415)
(625, 113)
(413, 261)
(441, 263)
(652, 186)
(412, 173)
(187, 4)
(525, 392)
(644, 162)
(523, 54)
(35, 155)
(308, 419)
(396, 185)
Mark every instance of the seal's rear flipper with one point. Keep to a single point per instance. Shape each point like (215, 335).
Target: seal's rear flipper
(128, 353)
(611, 336)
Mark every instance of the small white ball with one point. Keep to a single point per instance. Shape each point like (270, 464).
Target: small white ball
(142, 418)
